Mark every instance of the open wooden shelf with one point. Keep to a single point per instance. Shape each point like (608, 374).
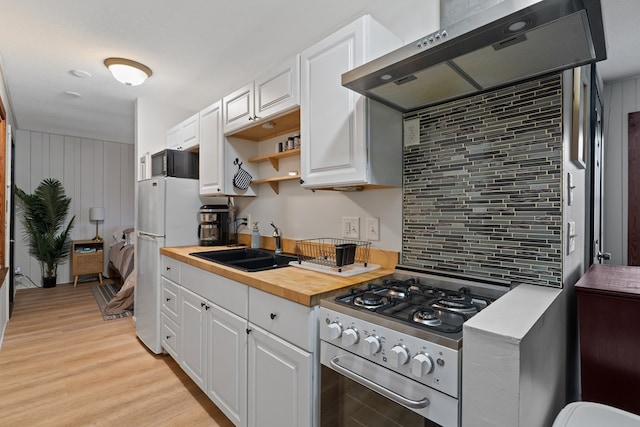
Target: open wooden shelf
(282, 125)
(274, 182)
(274, 158)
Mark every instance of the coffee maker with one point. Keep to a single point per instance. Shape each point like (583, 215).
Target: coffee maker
(213, 227)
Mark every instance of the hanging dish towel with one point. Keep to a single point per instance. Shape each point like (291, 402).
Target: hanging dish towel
(242, 178)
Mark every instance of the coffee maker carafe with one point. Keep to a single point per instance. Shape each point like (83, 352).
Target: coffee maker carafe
(213, 227)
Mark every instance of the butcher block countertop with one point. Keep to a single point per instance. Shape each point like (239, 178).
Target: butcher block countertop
(295, 284)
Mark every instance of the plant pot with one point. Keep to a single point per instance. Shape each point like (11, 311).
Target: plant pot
(49, 282)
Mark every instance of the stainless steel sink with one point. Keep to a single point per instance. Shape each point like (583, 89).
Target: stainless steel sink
(247, 259)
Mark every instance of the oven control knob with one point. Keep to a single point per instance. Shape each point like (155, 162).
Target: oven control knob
(399, 356)
(421, 365)
(335, 330)
(350, 337)
(371, 345)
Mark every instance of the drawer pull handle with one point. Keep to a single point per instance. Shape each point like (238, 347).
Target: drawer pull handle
(168, 336)
(168, 299)
(168, 268)
(202, 304)
(273, 316)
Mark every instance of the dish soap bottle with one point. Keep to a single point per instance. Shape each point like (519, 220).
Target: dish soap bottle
(255, 236)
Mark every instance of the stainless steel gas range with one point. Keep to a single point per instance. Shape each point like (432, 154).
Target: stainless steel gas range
(391, 350)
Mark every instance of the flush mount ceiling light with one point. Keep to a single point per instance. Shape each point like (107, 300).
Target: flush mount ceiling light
(128, 72)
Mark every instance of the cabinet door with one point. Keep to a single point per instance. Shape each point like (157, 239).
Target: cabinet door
(280, 382)
(193, 336)
(278, 90)
(173, 140)
(211, 151)
(188, 135)
(238, 109)
(227, 364)
(331, 116)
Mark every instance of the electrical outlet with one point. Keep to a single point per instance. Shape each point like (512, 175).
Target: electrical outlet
(373, 228)
(249, 224)
(18, 271)
(411, 132)
(351, 227)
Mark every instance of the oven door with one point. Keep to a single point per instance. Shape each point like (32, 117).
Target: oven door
(358, 392)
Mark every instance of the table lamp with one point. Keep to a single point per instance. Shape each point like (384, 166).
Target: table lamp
(97, 215)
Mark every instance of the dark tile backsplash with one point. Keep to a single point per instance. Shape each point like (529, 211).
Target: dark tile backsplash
(482, 189)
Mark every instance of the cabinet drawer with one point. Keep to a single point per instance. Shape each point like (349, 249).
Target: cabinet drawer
(290, 321)
(171, 268)
(170, 292)
(88, 263)
(219, 290)
(170, 337)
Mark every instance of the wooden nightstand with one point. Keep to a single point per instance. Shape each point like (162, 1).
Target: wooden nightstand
(87, 257)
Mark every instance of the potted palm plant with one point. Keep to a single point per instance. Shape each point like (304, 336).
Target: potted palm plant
(43, 216)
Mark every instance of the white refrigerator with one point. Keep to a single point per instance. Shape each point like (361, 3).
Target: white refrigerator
(167, 215)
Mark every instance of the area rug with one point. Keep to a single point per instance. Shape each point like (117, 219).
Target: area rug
(103, 294)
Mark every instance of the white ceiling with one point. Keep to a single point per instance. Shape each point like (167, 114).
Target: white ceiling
(198, 50)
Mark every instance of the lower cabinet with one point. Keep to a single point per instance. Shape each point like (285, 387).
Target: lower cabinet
(256, 363)
(193, 355)
(227, 363)
(280, 382)
(170, 327)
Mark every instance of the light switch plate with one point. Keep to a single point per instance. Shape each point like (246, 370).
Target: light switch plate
(350, 227)
(571, 237)
(570, 189)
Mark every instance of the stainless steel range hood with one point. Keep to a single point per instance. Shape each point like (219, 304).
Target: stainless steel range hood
(511, 41)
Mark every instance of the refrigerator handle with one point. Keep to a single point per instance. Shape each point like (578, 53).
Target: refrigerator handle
(148, 235)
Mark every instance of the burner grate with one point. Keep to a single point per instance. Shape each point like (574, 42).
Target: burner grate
(417, 304)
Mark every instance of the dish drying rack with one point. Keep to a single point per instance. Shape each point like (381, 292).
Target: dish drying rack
(332, 252)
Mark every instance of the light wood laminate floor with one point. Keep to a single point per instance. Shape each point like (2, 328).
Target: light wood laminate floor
(62, 365)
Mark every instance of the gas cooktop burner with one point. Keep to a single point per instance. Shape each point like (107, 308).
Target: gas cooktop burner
(458, 304)
(426, 316)
(370, 300)
(411, 302)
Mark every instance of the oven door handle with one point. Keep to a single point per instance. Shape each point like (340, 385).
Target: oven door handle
(410, 403)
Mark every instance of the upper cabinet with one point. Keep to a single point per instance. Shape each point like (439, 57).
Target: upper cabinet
(184, 136)
(273, 93)
(349, 141)
(211, 150)
(217, 155)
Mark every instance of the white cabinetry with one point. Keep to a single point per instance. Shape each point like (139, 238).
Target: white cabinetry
(280, 382)
(211, 150)
(217, 155)
(193, 348)
(213, 350)
(227, 363)
(348, 139)
(266, 97)
(184, 136)
(250, 351)
(171, 319)
(281, 344)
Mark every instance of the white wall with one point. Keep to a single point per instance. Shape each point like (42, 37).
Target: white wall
(152, 121)
(94, 174)
(620, 98)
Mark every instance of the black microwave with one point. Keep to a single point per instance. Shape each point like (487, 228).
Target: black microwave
(175, 163)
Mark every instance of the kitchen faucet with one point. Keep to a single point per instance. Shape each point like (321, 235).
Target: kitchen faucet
(277, 235)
